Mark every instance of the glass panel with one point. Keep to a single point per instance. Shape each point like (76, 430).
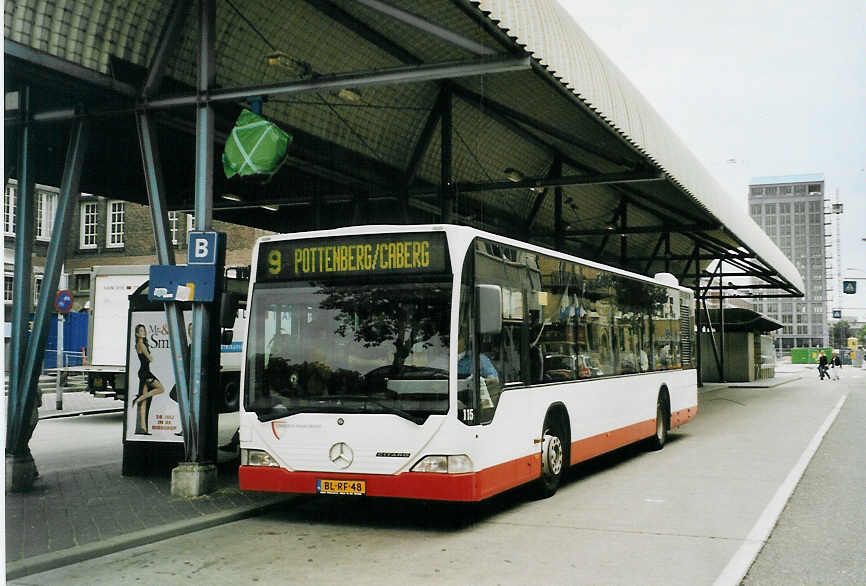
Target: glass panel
(354, 348)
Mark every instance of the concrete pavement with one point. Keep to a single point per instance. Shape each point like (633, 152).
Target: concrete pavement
(90, 509)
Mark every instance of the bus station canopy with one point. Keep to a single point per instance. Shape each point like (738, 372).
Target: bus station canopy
(497, 114)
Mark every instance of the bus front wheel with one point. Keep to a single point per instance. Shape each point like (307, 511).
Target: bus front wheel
(553, 455)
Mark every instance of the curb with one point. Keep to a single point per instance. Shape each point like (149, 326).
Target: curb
(59, 415)
(74, 555)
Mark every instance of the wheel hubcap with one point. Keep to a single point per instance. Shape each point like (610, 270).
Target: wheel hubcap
(552, 455)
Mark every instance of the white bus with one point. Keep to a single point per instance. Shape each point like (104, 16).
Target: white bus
(441, 362)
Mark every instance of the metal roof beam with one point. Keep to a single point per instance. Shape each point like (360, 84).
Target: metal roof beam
(599, 179)
(52, 63)
(505, 111)
(364, 31)
(682, 228)
(377, 77)
(166, 46)
(428, 27)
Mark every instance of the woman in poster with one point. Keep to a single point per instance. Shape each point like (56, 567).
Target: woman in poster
(148, 384)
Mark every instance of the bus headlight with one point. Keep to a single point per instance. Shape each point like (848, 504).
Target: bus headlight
(444, 464)
(257, 458)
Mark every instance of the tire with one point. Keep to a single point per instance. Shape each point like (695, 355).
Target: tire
(231, 394)
(553, 459)
(663, 418)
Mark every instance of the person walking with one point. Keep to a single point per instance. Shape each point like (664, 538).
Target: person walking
(836, 365)
(822, 365)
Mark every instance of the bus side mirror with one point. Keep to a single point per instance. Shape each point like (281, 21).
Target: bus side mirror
(489, 309)
(228, 309)
(226, 337)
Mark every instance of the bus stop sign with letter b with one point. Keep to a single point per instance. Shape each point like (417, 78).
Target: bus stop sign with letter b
(203, 248)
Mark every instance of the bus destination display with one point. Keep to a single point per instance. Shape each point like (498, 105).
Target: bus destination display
(355, 255)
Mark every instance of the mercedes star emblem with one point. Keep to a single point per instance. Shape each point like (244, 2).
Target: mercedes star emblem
(341, 455)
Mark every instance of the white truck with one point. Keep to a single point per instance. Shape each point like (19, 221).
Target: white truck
(108, 331)
(110, 288)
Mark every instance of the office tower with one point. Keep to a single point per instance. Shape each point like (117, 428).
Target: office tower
(790, 209)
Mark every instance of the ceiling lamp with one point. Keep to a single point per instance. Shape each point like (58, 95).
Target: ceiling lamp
(231, 197)
(349, 95)
(271, 208)
(513, 175)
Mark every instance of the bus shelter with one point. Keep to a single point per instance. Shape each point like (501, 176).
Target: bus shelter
(749, 350)
(499, 115)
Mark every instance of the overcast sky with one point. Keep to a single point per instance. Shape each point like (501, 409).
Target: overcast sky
(753, 88)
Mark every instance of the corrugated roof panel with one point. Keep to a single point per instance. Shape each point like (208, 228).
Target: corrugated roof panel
(555, 39)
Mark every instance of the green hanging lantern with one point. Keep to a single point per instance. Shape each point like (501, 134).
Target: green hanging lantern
(256, 146)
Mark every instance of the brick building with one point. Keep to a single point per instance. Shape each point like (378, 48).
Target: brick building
(103, 232)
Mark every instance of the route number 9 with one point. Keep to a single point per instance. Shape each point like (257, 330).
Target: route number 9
(275, 262)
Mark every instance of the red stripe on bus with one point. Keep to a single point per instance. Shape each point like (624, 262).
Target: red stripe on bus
(602, 443)
(473, 486)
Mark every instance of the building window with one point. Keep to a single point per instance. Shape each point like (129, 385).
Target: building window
(814, 188)
(757, 191)
(785, 190)
(46, 207)
(9, 209)
(7, 287)
(770, 191)
(37, 287)
(115, 234)
(799, 189)
(172, 226)
(82, 282)
(802, 329)
(756, 210)
(815, 205)
(88, 225)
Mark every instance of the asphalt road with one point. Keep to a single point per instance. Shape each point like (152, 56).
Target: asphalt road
(684, 515)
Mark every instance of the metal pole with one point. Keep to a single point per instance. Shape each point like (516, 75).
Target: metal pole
(721, 322)
(67, 201)
(446, 185)
(558, 227)
(698, 317)
(58, 391)
(202, 448)
(165, 256)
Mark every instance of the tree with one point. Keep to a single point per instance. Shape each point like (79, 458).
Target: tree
(402, 316)
(839, 333)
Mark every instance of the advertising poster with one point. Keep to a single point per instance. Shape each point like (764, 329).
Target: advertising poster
(152, 412)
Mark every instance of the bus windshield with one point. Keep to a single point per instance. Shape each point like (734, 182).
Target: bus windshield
(348, 348)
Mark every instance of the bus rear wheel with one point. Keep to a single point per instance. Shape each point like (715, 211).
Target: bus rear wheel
(553, 465)
(660, 438)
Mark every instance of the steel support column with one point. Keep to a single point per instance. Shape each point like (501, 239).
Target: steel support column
(667, 252)
(623, 239)
(446, 184)
(28, 377)
(558, 225)
(698, 325)
(721, 322)
(165, 256)
(16, 416)
(201, 446)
